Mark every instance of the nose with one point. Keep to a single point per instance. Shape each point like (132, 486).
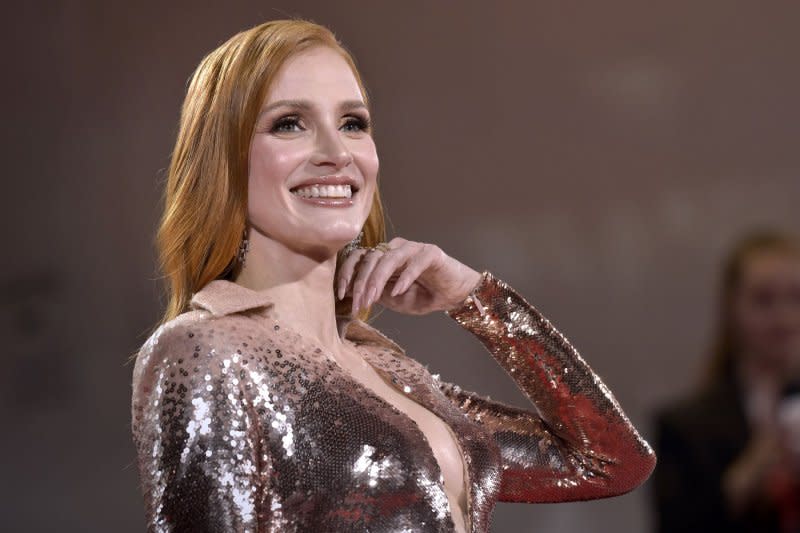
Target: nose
(330, 149)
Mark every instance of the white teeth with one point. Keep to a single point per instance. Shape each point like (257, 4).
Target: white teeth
(324, 191)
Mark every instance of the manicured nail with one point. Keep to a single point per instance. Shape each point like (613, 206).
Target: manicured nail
(370, 297)
(340, 289)
(397, 289)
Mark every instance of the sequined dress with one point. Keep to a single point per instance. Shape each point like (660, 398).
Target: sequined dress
(241, 424)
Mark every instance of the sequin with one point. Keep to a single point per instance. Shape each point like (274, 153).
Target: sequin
(241, 424)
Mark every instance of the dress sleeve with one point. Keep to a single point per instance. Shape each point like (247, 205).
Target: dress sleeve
(196, 436)
(576, 443)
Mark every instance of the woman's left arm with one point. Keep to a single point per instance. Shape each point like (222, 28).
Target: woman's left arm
(577, 444)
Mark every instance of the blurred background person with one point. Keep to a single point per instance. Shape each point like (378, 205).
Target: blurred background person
(728, 454)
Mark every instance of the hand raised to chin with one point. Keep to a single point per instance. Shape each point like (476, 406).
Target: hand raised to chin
(409, 277)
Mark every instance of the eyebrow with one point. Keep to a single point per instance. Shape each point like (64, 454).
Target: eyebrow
(347, 105)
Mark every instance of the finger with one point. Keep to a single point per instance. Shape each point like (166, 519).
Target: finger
(359, 282)
(394, 243)
(389, 265)
(419, 263)
(346, 270)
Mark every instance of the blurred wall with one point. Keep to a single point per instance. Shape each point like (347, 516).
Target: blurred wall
(597, 156)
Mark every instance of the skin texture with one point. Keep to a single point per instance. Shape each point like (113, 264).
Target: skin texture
(766, 311)
(293, 244)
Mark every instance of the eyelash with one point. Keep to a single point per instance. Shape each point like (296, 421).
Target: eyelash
(363, 123)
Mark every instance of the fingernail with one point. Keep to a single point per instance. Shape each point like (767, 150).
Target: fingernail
(396, 289)
(340, 290)
(370, 297)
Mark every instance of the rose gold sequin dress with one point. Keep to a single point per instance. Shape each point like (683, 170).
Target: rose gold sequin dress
(241, 424)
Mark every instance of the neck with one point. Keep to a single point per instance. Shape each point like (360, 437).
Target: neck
(300, 285)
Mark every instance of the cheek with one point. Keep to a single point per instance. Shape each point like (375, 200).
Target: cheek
(749, 323)
(365, 156)
(271, 163)
(366, 159)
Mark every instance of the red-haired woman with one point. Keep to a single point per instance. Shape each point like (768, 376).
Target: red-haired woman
(265, 402)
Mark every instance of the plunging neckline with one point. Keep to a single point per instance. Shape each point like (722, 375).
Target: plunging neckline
(383, 375)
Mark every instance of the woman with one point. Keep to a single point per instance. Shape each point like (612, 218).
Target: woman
(265, 402)
(730, 453)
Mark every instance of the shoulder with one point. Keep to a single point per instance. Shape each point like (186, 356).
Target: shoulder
(191, 343)
(173, 335)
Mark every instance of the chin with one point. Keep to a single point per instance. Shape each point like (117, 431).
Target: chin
(340, 235)
(329, 244)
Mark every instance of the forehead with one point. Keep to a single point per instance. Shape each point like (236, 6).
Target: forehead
(771, 265)
(316, 73)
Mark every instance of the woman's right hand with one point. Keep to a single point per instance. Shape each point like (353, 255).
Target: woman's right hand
(406, 276)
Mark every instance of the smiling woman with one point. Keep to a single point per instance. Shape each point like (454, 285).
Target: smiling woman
(312, 135)
(264, 401)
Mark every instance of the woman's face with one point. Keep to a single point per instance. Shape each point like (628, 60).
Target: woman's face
(313, 163)
(767, 308)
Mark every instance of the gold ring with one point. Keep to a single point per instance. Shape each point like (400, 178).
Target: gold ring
(382, 246)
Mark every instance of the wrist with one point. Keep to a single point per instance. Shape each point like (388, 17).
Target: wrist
(471, 281)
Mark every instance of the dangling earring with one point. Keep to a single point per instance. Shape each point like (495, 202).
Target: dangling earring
(244, 247)
(352, 245)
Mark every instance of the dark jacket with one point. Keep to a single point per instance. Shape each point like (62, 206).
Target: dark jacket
(696, 440)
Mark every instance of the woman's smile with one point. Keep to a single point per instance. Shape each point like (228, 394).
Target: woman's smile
(313, 163)
(327, 191)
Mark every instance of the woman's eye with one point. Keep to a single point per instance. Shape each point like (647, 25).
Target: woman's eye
(286, 125)
(355, 124)
(291, 124)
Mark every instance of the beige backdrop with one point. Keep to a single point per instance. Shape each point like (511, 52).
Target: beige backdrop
(598, 156)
